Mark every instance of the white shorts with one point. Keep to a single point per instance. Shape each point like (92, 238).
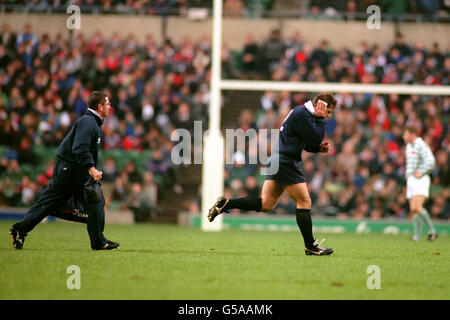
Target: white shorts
(415, 186)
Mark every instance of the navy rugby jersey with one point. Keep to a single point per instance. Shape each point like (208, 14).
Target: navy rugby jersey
(301, 130)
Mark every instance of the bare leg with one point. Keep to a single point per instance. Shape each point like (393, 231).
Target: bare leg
(300, 194)
(270, 194)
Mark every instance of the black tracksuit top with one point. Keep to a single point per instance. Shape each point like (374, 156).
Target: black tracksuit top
(82, 144)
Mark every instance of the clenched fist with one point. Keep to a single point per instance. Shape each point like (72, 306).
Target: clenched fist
(95, 174)
(325, 147)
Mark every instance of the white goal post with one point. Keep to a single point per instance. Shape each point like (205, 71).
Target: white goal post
(213, 152)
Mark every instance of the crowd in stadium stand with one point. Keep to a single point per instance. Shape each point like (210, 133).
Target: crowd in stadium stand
(157, 87)
(430, 8)
(292, 59)
(348, 9)
(122, 6)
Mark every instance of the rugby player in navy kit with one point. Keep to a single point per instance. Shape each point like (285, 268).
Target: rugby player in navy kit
(303, 129)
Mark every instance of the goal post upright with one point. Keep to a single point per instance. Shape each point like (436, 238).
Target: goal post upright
(213, 143)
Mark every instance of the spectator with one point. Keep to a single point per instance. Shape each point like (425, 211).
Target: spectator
(27, 39)
(251, 186)
(7, 38)
(347, 160)
(158, 165)
(3, 165)
(400, 45)
(345, 201)
(150, 187)
(250, 56)
(141, 205)
(119, 192)
(320, 55)
(134, 176)
(229, 70)
(109, 171)
(183, 118)
(28, 191)
(26, 153)
(272, 50)
(428, 7)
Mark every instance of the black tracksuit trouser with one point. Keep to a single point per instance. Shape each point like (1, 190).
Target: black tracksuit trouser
(68, 180)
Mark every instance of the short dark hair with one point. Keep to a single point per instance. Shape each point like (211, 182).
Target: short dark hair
(96, 98)
(412, 129)
(327, 97)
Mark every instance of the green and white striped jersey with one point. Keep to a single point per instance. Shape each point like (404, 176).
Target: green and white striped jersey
(419, 157)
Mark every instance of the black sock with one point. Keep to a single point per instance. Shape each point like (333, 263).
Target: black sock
(246, 203)
(304, 222)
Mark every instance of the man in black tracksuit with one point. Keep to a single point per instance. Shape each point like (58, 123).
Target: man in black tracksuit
(76, 163)
(303, 129)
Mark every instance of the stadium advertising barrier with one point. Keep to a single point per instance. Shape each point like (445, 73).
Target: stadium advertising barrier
(288, 223)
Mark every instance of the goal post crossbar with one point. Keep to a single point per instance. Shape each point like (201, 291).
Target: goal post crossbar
(253, 85)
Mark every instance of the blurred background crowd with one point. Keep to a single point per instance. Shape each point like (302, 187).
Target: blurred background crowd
(156, 87)
(292, 59)
(423, 10)
(44, 85)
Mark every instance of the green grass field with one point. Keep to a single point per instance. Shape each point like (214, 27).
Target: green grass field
(171, 262)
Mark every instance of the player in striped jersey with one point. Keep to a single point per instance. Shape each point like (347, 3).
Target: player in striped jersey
(419, 163)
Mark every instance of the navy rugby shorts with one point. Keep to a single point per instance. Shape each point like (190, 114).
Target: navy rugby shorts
(289, 172)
